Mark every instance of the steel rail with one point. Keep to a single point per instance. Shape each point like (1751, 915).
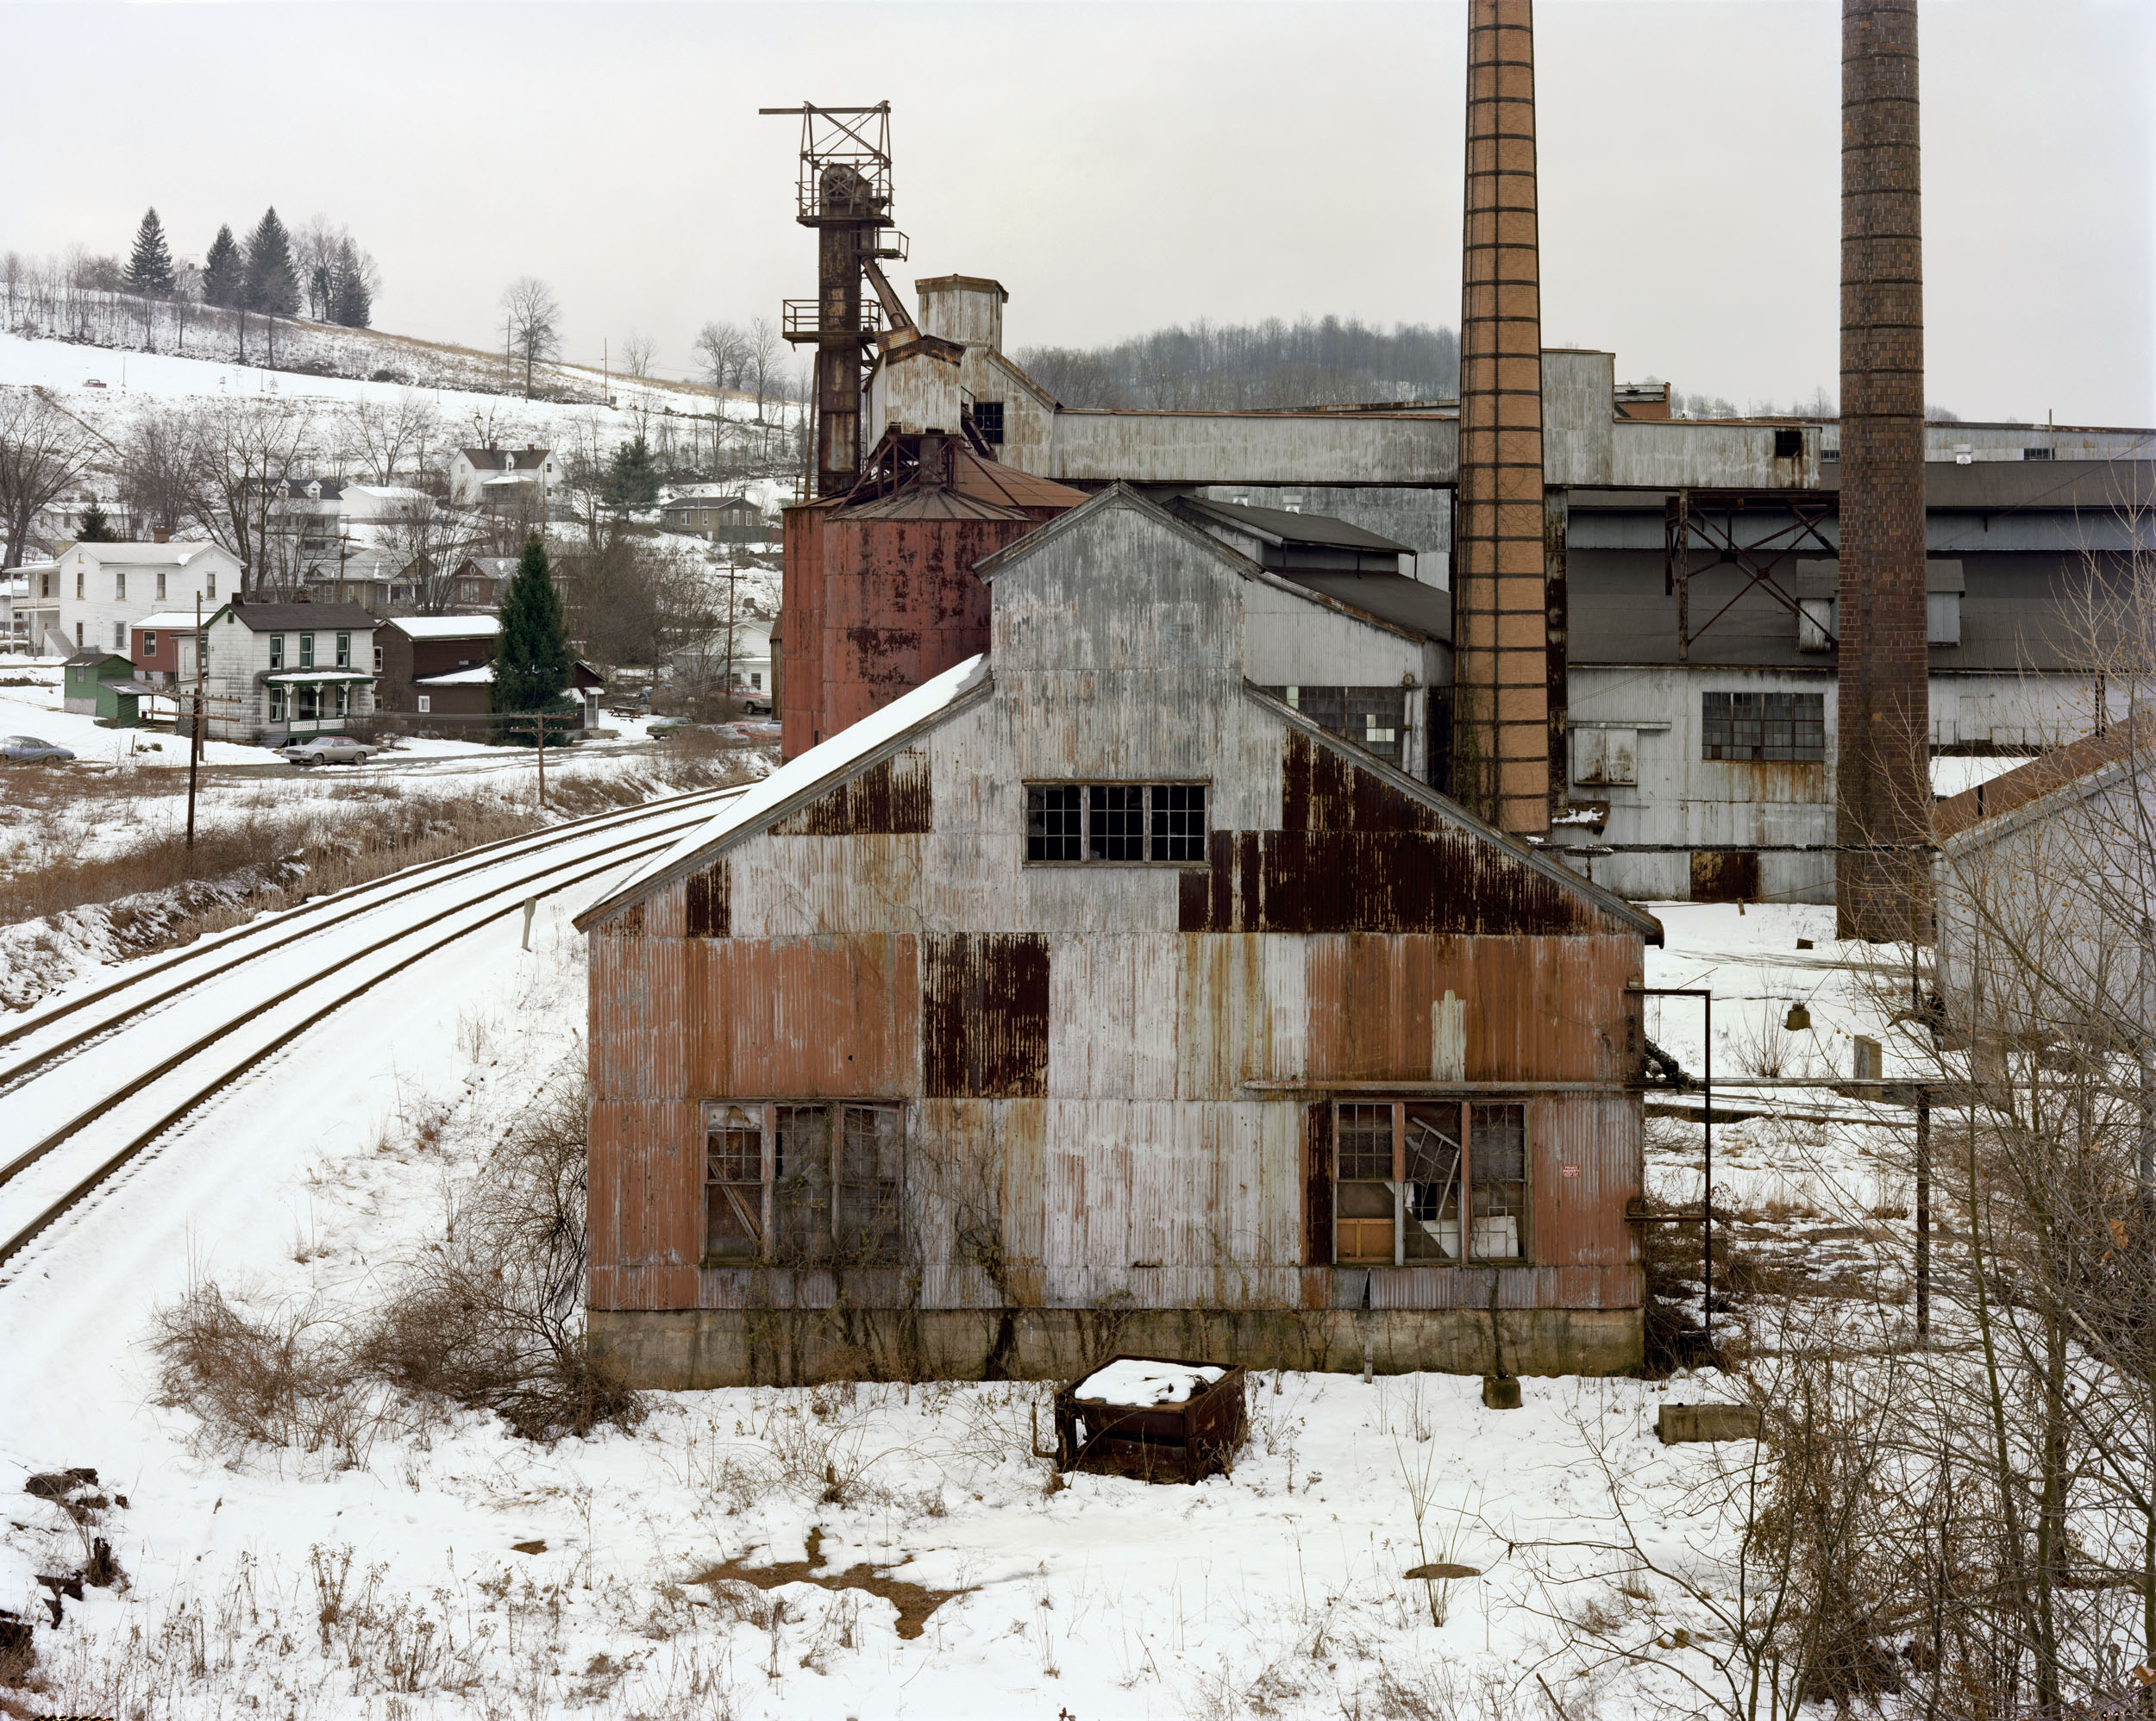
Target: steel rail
(520, 889)
(391, 886)
(87, 1185)
(15, 1075)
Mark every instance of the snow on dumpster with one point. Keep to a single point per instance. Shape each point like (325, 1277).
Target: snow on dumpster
(1158, 1418)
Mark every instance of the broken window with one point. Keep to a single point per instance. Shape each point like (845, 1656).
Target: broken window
(1408, 1173)
(803, 1184)
(987, 419)
(1373, 718)
(1120, 822)
(1762, 726)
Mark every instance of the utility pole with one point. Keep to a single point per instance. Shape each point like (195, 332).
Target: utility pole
(194, 751)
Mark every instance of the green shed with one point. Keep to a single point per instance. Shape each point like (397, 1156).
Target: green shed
(84, 691)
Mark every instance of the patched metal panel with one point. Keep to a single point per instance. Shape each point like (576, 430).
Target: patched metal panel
(645, 1201)
(892, 797)
(706, 910)
(984, 1009)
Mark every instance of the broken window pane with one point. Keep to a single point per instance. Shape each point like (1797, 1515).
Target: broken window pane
(1432, 1195)
(870, 1163)
(1362, 1200)
(801, 1185)
(733, 1182)
(1497, 1168)
(1052, 822)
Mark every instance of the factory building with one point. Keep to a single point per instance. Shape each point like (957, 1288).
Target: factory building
(1094, 985)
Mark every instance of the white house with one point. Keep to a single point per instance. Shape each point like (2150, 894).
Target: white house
(276, 671)
(478, 475)
(104, 588)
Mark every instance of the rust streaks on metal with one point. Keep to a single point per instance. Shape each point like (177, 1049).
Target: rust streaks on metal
(985, 1013)
(892, 797)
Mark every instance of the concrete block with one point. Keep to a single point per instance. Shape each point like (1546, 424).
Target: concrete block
(1679, 1424)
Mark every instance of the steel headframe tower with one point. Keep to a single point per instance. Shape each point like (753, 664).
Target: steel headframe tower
(1882, 754)
(843, 191)
(1502, 711)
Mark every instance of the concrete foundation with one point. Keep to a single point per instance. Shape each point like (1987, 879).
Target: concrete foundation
(681, 1351)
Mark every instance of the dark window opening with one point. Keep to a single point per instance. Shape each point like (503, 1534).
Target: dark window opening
(1788, 444)
(1431, 1182)
(1373, 718)
(1753, 727)
(800, 1184)
(2036, 453)
(987, 419)
(1116, 822)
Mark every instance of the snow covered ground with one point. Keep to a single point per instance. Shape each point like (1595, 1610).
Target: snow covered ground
(456, 1570)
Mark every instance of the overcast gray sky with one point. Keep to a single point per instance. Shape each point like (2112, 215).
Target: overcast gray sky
(1120, 167)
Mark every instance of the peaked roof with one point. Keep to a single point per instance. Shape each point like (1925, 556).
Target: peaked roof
(506, 459)
(171, 555)
(804, 779)
(2027, 783)
(263, 618)
(446, 627)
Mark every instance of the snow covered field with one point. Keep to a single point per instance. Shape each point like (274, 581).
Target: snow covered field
(456, 1570)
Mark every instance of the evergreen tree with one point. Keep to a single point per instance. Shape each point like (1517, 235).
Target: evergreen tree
(150, 267)
(272, 284)
(632, 481)
(223, 271)
(531, 652)
(95, 528)
(351, 303)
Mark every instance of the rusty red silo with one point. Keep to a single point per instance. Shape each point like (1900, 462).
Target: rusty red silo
(880, 592)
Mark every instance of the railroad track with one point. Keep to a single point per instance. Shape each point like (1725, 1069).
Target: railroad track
(138, 1099)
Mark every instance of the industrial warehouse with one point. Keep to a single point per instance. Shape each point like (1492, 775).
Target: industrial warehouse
(1197, 906)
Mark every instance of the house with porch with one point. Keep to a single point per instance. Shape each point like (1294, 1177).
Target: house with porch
(276, 672)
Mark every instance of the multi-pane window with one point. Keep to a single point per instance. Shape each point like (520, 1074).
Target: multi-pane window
(987, 419)
(276, 704)
(276, 651)
(1410, 1174)
(1762, 726)
(306, 651)
(1373, 718)
(800, 1184)
(1143, 822)
(344, 651)
(119, 583)
(149, 642)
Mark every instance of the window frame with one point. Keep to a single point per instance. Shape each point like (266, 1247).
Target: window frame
(1156, 818)
(1466, 1218)
(276, 704)
(344, 651)
(426, 704)
(1749, 706)
(276, 651)
(987, 419)
(307, 649)
(149, 642)
(767, 1228)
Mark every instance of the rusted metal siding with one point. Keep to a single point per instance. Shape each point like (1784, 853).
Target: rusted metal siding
(801, 637)
(1106, 1100)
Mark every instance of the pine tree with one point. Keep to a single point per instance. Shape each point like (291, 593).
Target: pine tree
(531, 652)
(95, 528)
(633, 480)
(150, 267)
(272, 284)
(223, 271)
(350, 301)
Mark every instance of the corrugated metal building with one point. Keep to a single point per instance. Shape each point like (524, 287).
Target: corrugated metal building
(1091, 995)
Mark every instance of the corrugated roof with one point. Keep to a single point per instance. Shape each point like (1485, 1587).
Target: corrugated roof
(1292, 528)
(2040, 777)
(1394, 597)
(993, 481)
(921, 502)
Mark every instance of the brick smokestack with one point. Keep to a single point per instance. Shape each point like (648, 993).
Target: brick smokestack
(1882, 788)
(1502, 737)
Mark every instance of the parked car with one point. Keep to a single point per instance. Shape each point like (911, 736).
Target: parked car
(28, 750)
(327, 749)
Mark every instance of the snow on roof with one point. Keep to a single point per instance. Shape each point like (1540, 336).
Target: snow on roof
(175, 554)
(171, 621)
(448, 627)
(1140, 1380)
(458, 678)
(830, 761)
(282, 676)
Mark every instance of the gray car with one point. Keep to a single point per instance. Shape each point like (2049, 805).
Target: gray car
(28, 750)
(327, 749)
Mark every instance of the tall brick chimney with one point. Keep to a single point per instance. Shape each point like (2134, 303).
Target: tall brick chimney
(1882, 785)
(1501, 738)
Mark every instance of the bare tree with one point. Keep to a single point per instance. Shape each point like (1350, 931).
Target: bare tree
(534, 320)
(160, 470)
(765, 353)
(249, 449)
(721, 350)
(43, 452)
(388, 436)
(427, 544)
(636, 355)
